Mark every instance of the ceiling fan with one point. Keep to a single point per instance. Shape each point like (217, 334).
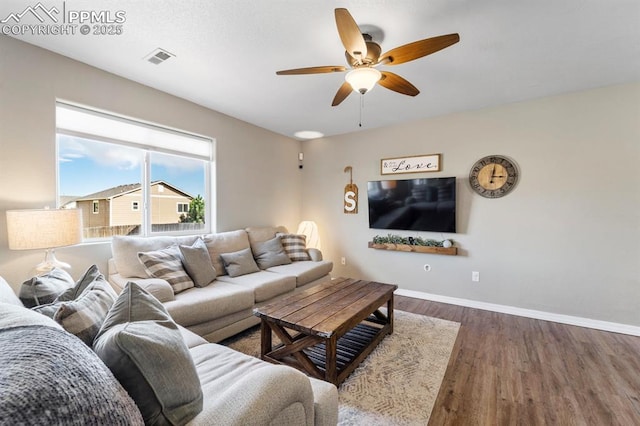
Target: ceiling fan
(363, 55)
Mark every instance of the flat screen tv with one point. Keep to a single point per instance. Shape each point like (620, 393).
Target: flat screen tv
(413, 204)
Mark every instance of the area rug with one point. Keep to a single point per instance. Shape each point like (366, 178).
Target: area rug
(397, 384)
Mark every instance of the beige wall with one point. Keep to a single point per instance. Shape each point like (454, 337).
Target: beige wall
(566, 240)
(164, 207)
(254, 167)
(121, 211)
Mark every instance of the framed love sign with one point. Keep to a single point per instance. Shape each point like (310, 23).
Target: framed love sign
(413, 164)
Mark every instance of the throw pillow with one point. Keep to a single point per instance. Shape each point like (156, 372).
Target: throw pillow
(45, 288)
(239, 263)
(167, 264)
(270, 253)
(198, 264)
(144, 349)
(225, 242)
(82, 309)
(295, 246)
(49, 377)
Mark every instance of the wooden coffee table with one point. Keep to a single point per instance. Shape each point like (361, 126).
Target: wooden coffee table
(327, 330)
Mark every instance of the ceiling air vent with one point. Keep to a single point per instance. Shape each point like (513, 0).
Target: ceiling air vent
(158, 56)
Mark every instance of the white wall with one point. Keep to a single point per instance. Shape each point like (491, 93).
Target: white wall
(257, 170)
(565, 241)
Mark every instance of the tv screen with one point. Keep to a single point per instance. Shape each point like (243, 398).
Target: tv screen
(413, 204)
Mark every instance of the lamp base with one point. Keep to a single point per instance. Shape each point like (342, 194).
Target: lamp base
(50, 262)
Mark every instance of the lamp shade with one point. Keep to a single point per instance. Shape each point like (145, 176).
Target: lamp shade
(363, 79)
(43, 228)
(309, 229)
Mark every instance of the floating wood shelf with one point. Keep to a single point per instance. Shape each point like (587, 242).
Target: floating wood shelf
(451, 251)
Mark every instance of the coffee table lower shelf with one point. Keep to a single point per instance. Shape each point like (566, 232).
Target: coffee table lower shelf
(351, 349)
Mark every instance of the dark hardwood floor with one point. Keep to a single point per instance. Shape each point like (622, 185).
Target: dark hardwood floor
(509, 370)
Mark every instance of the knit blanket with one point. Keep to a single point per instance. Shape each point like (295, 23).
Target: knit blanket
(49, 377)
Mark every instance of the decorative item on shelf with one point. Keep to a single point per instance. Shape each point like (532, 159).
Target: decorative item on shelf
(309, 229)
(493, 176)
(413, 164)
(44, 229)
(411, 244)
(350, 194)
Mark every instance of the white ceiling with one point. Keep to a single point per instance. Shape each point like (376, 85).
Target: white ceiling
(227, 53)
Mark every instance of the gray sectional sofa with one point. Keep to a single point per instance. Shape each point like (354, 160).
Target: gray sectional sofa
(143, 369)
(224, 306)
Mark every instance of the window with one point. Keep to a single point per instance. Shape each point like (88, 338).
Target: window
(137, 171)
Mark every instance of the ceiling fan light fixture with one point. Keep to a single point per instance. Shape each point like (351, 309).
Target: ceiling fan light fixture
(363, 79)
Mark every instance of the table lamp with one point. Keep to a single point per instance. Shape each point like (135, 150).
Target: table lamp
(44, 229)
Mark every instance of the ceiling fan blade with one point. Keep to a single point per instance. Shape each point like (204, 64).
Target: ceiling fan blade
(418, 49)
(312, 70)
(350, 34)
(344, 91)
(398, 84)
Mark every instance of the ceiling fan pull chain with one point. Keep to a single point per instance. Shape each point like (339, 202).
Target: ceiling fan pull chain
(361, 106)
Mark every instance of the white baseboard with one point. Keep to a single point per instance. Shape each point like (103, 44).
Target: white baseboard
(528, 313)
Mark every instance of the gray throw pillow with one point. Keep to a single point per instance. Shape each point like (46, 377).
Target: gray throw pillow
(270, 253)
(167, 264)
(45, 288)
(239, 263)
(197, 262)
(82, 309)
(144, 349)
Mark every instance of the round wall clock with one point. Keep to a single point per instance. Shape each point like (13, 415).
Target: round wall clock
(493, 176)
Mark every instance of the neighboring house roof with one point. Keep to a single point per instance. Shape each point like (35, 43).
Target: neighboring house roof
(67, 199)
(120, 190)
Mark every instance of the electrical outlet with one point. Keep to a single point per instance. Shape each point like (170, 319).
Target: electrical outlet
(343, 260)
(475, 276)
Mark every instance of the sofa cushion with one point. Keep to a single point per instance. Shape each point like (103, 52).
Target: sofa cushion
(50, 377)
(81, 310)
(295, 246)
(265, 285)
(258, 234)
(44, 288)
(198, 305)
(305, 271)
(18, 316)
(239, 263)
(198, 264)
(125, 251)
(242, 390)
(144, 349)
(225, 242)
(159, 288)
(270, 253)
(7, 295)
(166, 263)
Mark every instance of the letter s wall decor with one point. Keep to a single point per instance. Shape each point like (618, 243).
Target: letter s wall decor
(350, 194)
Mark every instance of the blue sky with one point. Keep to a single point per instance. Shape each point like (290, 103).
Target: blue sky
(88, 166)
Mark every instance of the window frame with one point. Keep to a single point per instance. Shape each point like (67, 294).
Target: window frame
(146, 227)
